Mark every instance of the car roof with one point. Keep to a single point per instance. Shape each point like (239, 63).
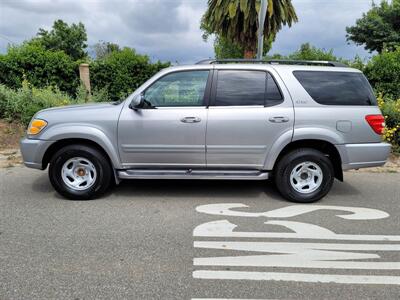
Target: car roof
(259, 66)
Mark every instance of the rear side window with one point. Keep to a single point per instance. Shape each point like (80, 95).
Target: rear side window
(240, 88)
(337, 88)
(246, 88)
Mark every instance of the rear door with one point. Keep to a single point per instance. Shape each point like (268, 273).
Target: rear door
(250, 110)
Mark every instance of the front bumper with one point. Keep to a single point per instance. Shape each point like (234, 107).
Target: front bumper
(33, 152)
(355, 156)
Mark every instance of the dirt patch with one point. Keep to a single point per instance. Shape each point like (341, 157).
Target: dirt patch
(10, 158)
(10, 135)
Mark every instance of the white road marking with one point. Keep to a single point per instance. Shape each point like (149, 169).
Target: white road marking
(286, 247)
(224, 228)
(226, 209)
(227, 299)
(293, 254)
(298, 255)
(297, 277)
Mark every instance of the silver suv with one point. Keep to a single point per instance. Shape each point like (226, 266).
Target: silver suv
(300, 123)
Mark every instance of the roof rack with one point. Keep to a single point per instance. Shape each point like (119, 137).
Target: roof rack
(273, 62)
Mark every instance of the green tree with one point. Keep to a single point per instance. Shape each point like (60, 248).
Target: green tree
(383, 71)
(379, 28)
(310, 52)
(223, 48)
(103, 49)
(237, 21)
(69, 38)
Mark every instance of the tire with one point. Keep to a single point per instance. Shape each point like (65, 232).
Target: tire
(304, 175)
(71, 161)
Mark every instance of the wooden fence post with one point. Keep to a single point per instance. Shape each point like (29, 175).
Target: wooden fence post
(85, 78)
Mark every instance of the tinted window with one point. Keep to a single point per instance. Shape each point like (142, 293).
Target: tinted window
(240, 88)
(337, 88)
(178, 89)
(274, 95)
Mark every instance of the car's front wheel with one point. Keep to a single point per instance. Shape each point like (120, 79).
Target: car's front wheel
(80, 172)
(304, 175)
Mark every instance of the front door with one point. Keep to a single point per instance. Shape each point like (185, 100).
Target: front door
(248, 113)
(170, 130)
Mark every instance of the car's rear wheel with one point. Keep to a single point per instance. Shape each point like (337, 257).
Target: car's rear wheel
(80, 172)
(304, 175)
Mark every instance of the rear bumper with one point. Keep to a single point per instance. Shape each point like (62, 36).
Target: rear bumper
(33, 151)
(355, 156)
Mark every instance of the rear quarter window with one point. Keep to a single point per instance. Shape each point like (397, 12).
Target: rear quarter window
(336, 88)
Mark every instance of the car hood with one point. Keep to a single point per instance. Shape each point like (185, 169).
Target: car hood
(80, 107)
(86, 113)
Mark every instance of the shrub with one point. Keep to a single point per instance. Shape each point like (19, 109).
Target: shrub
(40, 67)
(121, 72)
(391, 110)
(23, 103)
(100, 95)
(383, 71)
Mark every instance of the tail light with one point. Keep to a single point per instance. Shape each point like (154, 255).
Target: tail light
(377, 123)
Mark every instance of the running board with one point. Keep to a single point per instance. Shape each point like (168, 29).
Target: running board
(193, 174)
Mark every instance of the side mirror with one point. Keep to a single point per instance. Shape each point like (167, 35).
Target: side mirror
(137, 102)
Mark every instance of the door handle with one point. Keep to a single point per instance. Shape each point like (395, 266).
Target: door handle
(190, 120)
(279, 119)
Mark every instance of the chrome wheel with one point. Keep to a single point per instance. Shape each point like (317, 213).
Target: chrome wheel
(306, 177)
(78, 173)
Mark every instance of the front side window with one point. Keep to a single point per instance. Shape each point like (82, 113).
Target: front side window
(336, 88)
(236, 87)
(185, 88)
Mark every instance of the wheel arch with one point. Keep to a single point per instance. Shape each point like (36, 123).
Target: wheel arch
(76, 141)
(71, 141)
(324, 146)
(83, 133)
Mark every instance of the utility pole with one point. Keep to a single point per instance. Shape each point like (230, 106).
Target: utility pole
(261, 20)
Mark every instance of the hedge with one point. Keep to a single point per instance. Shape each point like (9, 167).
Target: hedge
(40, 67)
(121, 72)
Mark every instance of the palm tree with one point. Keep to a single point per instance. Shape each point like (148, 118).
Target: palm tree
(237, 20)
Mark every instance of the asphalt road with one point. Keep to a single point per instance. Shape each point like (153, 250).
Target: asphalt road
(196, 239)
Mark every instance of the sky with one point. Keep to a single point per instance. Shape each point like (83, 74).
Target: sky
(168, 30)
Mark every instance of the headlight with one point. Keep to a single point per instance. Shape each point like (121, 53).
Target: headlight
(36, 126)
